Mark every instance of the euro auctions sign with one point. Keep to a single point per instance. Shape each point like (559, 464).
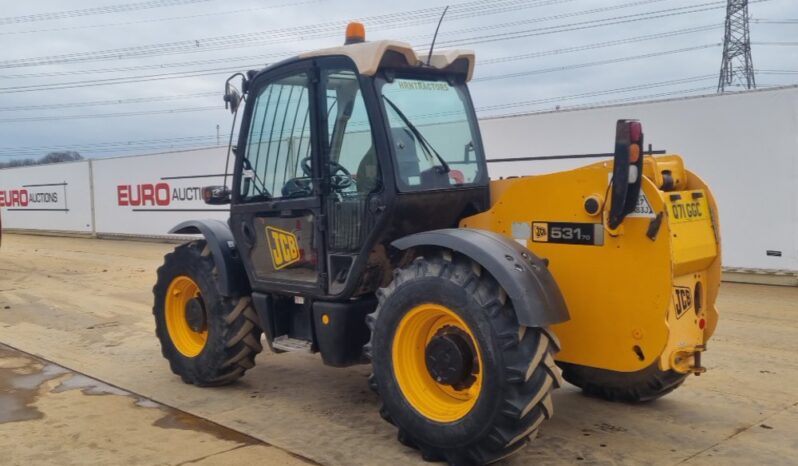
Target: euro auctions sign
(150, 194)
(35, 197)
(160, 194)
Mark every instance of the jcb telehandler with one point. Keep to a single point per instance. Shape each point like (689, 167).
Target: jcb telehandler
(363, 226)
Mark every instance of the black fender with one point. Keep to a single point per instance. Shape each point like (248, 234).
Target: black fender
(232, 276)
(536, 297)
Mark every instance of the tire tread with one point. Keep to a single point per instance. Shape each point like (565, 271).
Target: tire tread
(528, 354)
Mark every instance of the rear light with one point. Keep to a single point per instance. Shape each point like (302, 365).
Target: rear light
(635, 132)
(633, 174)
(634, 152)
(702, 323)
(627, 170)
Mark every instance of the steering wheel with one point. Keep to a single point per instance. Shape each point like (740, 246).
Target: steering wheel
(340, 178)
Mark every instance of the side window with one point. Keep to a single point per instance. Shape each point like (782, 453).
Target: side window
(277, 161)
(349, 139)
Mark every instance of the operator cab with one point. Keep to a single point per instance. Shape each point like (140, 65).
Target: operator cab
(344, 150)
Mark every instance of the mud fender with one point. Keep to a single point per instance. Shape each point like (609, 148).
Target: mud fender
(232, 276)
(534, 293)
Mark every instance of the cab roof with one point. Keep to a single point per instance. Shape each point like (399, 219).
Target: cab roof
(370, 56)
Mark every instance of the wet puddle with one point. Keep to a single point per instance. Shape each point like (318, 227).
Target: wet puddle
(24, 379)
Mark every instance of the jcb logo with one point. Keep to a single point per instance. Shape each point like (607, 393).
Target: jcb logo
(682, 300)
(283, 246)
(540, 232)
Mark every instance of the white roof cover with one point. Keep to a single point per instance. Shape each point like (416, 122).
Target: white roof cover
(368, 55)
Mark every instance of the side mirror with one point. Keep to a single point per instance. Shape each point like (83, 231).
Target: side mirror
(216, 195)
(232, 98)
(627, 170)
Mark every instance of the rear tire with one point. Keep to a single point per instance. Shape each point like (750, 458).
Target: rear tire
(225, 346)
(644, 385)
(515, 376)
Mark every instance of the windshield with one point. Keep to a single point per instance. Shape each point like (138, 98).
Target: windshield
(433, 134)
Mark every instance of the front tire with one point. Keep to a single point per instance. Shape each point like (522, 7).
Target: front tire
(457, 374)
(207, 338)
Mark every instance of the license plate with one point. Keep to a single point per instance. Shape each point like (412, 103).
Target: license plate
(692, 206)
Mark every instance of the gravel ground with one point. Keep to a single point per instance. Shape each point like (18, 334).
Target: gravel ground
(85, 305)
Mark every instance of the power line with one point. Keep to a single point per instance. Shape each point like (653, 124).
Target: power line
(597, 45)
(205, 72)
(591, 24)
(595, 63)
(160, 19)
(121, 146)
(325, 29)
(218, 71)
(100, 10)
(774, 21)
(144, 150)
(110, 115)
(227, 60)
(120, 80)
(583, 95)
(481, 62)
(391, 20)
(505, 76)
(159, 66)
(174, 143)
(542, 19)
(634, 99)
(96, 103)
(108, 144)
(784, 44)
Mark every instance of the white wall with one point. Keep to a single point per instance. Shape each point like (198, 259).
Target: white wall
(49, 197)
(745, 146)
(148, 195)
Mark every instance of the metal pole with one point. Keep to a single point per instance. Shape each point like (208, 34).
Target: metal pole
(91, 200)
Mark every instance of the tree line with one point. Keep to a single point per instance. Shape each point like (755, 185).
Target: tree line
(51, 157)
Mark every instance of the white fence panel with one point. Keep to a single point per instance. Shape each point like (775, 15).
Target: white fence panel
(148, 195)
(47, 197)
(744, 145)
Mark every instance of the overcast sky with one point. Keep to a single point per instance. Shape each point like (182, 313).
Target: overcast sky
(207, 39)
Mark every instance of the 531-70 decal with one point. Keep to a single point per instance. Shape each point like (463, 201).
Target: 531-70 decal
(591, 234)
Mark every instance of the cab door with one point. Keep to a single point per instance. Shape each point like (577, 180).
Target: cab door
(352, 179)
(276, 212)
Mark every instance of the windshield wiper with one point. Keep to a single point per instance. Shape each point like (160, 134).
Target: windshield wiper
(425, 145)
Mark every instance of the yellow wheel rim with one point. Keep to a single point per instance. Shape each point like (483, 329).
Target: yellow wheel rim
(435, 401)
(186, 340)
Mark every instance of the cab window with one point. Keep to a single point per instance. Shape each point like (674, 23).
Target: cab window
(349, 138)
(433, 133)
(277, 158)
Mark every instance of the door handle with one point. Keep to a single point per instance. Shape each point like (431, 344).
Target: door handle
(248, 235)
